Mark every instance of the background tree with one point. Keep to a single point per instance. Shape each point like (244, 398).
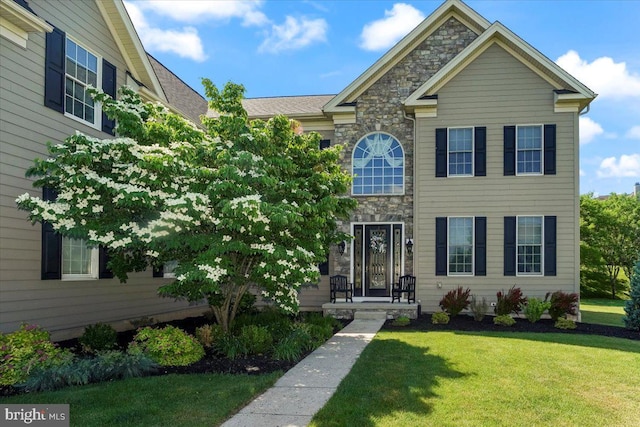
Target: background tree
(239, 204)
(632, 306)
(610, 237)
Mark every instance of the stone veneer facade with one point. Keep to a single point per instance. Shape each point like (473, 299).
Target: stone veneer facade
(380, 108)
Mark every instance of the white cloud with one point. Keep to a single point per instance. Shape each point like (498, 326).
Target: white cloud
(582, 172)
(633, 133)
(192, 11)
(294, 34)
(185, 42)
(627, 166)
(589, 130)
(607, 78)
(386, 32)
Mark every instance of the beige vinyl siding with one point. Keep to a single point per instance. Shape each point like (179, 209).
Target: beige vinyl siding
(26, 125)
(494, 91)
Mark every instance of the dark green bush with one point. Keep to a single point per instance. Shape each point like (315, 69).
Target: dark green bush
(169, 346)
(255, 339)
(504, 320)
(510, 302)
(562, 304)
(231, 346)
(440, 318)
(26, 349)
(98, 337)
(455, 301)
(632, 306)
(105, 366)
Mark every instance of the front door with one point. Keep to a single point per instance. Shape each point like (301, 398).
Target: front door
(378, 254)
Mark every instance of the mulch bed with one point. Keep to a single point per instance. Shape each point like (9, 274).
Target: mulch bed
(468, 324)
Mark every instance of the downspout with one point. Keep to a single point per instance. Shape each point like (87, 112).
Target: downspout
(582, 113)
(413, 119)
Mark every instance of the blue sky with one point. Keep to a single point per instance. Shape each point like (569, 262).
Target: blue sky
(277, 48)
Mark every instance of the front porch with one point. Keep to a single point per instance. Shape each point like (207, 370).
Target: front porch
(363, 310)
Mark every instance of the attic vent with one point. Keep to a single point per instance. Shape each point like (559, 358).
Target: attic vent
(404, 91)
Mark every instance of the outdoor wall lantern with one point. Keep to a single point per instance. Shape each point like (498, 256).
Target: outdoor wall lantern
(341, 247)
(409, 245)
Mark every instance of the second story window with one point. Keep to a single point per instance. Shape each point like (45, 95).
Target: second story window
(529, 150)
(378, 165)
(460, 152)
(81, 68)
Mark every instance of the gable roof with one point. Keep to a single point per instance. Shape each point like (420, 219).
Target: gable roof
(182, 97)
(126, 37)
(567, 88)
(296, 106)
(450, 8)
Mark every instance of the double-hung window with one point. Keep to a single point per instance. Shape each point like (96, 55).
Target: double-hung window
(530, 245)
(460, 248)
(79, 261)
(81, 71)
(529, 148)
(460, 152)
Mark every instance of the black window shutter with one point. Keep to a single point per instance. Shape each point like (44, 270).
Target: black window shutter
(103, 259)
(549, 149)
(441, 152)
(324, 267)
(325, 143)
(481, 246)
(509, 245)
(158, 272)
(441, 246)
(51, 268)
(54, 73)
(550, 245)
(509, 150)
(109, 87)
(480, 149)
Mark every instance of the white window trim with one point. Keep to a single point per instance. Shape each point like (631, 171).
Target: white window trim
(169, 275)
(541, 273)
(473, 248)
(473, 152)
(93, 275)
(97, 105)
(541, 126)
(404, 169)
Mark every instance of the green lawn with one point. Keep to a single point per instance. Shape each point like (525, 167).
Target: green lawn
(489, 379)
(170, 400)
(602, 311)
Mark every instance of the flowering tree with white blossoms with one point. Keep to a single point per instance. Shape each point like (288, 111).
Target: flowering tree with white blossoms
(242, 203)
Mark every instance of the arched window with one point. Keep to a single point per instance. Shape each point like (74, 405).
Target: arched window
(378, 165)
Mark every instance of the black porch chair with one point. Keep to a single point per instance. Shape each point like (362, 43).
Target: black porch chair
(338, 283)
(406, 285)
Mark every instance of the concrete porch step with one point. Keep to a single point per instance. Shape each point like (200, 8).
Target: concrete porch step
(370, 315)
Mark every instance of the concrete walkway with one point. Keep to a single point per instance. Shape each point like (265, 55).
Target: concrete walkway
(305, 388)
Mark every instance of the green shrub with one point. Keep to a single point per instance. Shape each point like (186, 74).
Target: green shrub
(440, 318)
(455, 301)
(316, 318)
(563, 323)
(169, 346)
(105, 366)
(98, 337)
(401, 321)
(26, 349)
(479, 309)
(562, 304)
(510, 302)
(535, 308)
(255, 339)
(231, 346)
(504, 320)
(209, 335)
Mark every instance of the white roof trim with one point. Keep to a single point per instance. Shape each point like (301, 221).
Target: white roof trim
(130, 45)
(501, 35)
(449, 8)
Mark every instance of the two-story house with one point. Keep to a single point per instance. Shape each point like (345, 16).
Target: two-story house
(50, 51)
(463, 143)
